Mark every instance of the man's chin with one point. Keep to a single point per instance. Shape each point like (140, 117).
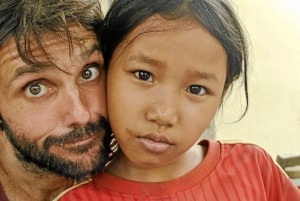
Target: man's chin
(78, 166)
(75, 155)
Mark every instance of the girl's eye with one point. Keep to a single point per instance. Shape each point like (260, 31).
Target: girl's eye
(143, 75)
(90, 73)
(35, 90)
(197, 90)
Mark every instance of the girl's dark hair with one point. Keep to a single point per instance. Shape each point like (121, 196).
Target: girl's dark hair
(217, 16)
(29, 21)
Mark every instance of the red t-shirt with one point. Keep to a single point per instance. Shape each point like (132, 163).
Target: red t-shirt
(229, 172)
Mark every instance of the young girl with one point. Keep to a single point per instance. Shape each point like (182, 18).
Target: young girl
(169, 64)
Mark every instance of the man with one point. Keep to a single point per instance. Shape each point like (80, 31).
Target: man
(52, 97)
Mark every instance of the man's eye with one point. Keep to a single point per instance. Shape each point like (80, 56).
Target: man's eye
(90, 73)
(35, 90)
(143, 75)
(197, 90)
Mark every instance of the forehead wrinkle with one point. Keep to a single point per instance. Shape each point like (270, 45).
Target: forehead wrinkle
(59, 43)
(8, 52)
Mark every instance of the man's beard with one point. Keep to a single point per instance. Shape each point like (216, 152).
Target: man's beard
(32, 156)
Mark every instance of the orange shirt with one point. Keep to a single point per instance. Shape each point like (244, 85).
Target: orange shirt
(229, 172)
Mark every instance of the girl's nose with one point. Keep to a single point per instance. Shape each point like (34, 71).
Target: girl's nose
(163, 114)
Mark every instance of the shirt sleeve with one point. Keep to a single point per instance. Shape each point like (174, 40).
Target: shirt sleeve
(278, 185)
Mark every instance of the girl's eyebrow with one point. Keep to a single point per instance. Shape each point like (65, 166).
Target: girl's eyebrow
(192, 74)
(202, 75)
(141, 58)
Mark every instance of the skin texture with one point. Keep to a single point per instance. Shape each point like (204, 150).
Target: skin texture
(47, 112)
(164, 87)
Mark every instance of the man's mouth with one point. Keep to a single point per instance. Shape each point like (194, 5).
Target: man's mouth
(77, 142)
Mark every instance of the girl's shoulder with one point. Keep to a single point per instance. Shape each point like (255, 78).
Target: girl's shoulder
(242, 148)
(236, 148)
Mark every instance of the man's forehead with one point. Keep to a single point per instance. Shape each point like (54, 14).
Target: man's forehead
(8, 51)
(83, 48)
(49, 43)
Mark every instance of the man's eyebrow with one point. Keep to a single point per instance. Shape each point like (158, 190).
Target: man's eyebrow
(21, 71)
(34, 69)
(91, 50)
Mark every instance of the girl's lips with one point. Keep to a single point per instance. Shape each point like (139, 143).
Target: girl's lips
(154, 142)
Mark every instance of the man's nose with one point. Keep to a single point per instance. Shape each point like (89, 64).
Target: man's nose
(77, 111)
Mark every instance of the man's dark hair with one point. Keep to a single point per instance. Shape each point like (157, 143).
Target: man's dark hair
(27, 21)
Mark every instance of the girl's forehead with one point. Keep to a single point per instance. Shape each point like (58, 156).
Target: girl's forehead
(160, 24)
(157, 24)
(156, 41)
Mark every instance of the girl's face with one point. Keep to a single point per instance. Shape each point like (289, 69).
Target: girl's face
(164, 88)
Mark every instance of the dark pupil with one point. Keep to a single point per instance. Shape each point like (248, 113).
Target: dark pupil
(87, 74)
(144, 75)
(195, 89)
(35, 89)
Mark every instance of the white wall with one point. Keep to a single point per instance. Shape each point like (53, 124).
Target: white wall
(105, 4)
(273, 119)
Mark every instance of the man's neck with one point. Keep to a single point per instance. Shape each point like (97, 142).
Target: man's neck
(29, 187)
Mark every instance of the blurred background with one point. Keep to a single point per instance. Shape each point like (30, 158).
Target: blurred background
(273, 118)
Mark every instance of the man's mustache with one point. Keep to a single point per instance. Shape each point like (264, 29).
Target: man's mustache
(76, 134)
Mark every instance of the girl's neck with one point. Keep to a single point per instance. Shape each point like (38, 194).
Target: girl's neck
(121, 167)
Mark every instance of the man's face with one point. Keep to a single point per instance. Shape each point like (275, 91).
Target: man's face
(55, 116)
